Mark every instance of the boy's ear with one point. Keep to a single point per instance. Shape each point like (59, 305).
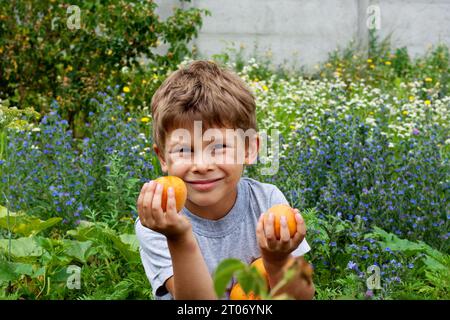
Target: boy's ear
(161, 158)
(251, 154)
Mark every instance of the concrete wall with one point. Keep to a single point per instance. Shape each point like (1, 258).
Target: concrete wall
(303, 32)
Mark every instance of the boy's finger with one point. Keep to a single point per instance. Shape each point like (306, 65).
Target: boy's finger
(147, 203)
(301, 229)
(260, 232)
(139, 200)
(157, 212)
(171, 206)
(285, 236)
(269, 229)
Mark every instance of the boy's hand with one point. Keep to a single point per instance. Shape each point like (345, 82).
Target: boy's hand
(170, 223)
(276, 252)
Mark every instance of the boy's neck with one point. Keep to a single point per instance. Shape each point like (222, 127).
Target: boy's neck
(216, 211)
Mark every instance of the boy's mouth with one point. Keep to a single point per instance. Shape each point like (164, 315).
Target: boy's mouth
(204, 185)
(204, 181)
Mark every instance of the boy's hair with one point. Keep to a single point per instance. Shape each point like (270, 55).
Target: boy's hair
(202, 91)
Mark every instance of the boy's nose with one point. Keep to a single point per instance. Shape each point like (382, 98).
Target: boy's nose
(203, 162)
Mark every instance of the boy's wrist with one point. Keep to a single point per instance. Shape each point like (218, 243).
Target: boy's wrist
(274, 265)
(275, 261)
(184, 239)
(274, 269)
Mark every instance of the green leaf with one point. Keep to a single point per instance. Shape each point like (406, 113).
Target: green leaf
(38, 272)
(60, 275)
(10, 271)
(23, 224)
(131, 240)
(395, 243)
(80, 250)
(435, 265)
(251, 281)
(22, 247)
(224, 272)
(124, 248)
(100, 234)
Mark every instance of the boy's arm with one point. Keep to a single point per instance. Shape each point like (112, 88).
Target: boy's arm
(191, 279)
(276, 254)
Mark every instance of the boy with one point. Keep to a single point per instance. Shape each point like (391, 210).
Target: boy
(223, 214)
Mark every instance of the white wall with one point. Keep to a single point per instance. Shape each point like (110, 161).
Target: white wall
(303, 32)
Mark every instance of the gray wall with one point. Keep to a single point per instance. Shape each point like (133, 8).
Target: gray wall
(303, 32)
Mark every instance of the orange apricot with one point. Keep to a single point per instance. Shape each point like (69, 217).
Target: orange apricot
(278, 211)
(179, 187)
(237, 293)
(259, 265)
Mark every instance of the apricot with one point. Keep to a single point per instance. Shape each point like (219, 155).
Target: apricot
(259, 265)
(278, 211)
(237, 293)
(179, 187)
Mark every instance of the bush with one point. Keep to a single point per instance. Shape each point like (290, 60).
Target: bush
(50, 50)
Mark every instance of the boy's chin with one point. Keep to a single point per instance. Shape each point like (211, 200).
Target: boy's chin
(204, 199)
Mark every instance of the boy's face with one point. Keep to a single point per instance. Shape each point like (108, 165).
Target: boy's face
(210, 164)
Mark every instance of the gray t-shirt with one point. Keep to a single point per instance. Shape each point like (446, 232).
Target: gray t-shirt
(233, 236)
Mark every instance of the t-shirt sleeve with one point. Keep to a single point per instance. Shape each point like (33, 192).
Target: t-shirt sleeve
(155, 257)
(277, 197)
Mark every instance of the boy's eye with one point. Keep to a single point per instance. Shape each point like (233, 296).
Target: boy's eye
(184, 150)
(217, 146)
(220, 146)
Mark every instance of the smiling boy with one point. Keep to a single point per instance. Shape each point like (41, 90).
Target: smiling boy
(223, 214)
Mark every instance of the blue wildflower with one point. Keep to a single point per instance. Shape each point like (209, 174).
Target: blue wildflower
(352, 265)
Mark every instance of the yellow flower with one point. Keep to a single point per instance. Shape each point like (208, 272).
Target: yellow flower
(292, 127)
(109, 52)
(369, 61)
(265, 88)
(69, 68)
(371, 113)
(428, 79)
(372, 66)
(129, 119)
(427, 102)
(126, 89)
(328, 65)
(411, 98)
(388, 63)
(113, 119)
(144, 81)
(145, 119)
(405, 113)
